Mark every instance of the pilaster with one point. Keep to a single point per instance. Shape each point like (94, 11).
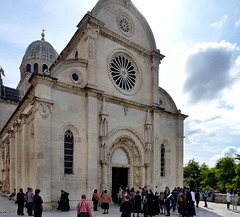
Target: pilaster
(16, 129)
(12, 159)
(92, 34)
(43, 148)
(23, 151)
(156, 58)
(92, 142)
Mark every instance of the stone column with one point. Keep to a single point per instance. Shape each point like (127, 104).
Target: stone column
(148, 150)
(103, 132)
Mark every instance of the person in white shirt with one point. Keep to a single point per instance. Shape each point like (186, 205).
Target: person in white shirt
(228, 198)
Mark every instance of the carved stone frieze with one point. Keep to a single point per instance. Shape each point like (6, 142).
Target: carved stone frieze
(42, 106)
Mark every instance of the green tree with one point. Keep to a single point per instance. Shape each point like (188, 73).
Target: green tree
(225, 173)
(192, 173)
(237, 157)
(208, 177)
(236, 180)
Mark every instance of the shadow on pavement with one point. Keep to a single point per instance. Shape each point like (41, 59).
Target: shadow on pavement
(206, 212)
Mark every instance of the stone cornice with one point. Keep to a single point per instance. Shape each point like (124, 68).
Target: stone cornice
(38, 99)
(37, 78)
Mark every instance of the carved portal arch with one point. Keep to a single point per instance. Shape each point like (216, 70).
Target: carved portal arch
(132, 144)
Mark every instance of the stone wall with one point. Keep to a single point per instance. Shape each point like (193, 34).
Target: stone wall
(219, 198)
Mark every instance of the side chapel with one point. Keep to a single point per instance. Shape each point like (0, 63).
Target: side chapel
(94, 116)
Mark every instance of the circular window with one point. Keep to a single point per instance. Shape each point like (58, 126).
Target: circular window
(125, 24)
(123, 73)
(75, 76)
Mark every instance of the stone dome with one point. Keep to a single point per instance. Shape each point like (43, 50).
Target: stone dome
(39, 56)
(41, 49)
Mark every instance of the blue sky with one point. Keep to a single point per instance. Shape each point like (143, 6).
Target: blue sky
(201, 70)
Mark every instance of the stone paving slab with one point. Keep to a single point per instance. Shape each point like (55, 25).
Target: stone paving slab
(9, 209)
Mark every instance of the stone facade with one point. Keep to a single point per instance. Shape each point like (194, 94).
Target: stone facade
(98, 107)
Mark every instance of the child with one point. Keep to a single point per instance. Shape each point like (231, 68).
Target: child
(162, 203)
(228, 199)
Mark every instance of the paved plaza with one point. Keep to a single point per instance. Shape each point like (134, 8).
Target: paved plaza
(9, 209)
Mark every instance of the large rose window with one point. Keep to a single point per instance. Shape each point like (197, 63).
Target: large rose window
(123, 73)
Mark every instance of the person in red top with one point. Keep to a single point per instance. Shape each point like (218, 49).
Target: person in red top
(84, 208)
(95, 200)
(124, 195)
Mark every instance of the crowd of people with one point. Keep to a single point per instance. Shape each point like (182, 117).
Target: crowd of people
(33, 202)
(158, 203)
(142, 201)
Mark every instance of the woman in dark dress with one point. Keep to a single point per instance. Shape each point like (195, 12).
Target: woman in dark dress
(156, 203)
(137, 208)
(190, 205)
(64, 201)
(150, 198)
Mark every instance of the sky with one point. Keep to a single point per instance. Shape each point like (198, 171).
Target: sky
(200, 71)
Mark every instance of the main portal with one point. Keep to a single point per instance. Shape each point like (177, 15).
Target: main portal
(119, 179)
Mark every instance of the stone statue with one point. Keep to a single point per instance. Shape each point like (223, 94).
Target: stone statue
(1, 73)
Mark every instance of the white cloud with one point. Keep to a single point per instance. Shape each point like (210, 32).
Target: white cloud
(229, 151)
(219, 24)
(237, 24)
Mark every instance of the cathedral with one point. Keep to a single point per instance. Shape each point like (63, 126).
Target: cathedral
(93, 116)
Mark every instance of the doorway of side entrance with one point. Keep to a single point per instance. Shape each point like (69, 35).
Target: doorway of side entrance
(119, 179)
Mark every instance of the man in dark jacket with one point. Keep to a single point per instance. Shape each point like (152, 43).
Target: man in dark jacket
(20, 201)
(167, 197)
(126, 208)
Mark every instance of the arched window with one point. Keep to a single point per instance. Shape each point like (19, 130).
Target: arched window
(68, 152)
(44, 67)
(35, 67)
(162, 160)
(28, 68)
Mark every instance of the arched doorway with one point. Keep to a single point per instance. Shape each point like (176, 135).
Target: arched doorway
(120, 169)
(125, 166)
